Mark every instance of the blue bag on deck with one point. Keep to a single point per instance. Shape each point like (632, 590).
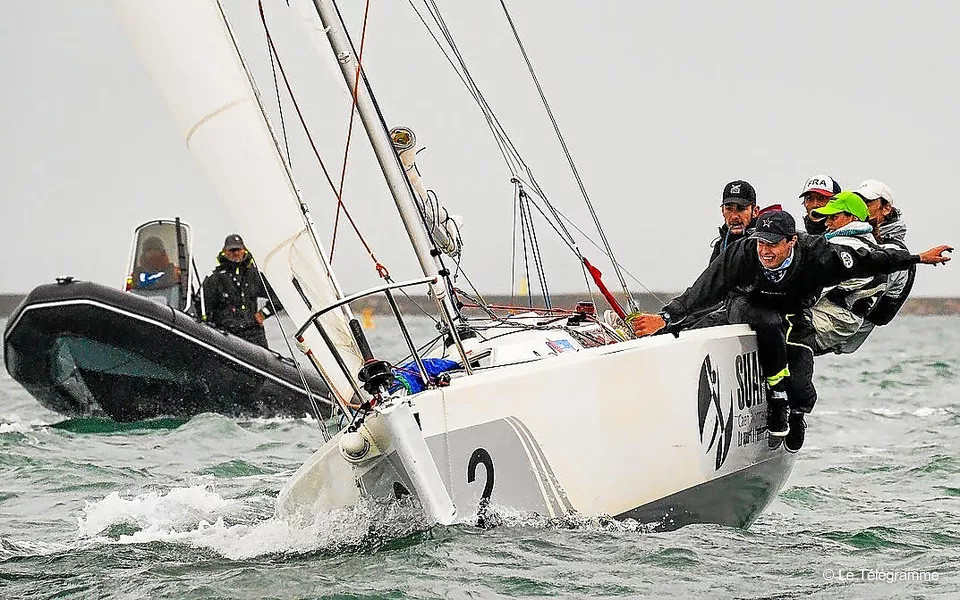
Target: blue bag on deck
(408, 376)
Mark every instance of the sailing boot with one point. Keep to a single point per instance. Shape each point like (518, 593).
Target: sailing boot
(778, 411)
(798, 427)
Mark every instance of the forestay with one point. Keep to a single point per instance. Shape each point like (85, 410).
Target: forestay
(189, 51)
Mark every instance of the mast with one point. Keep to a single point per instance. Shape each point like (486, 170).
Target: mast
(393, 171)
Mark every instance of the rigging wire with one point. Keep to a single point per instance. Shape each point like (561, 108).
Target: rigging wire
(622, 268)
(512, 158)
(566, 152)
(511, 155)
(560, 230)
(303, 378)
(380, 268)
(535, 248)
(353, 112)
(563, 238)
(526, 264)
(427, 347)
(435, 320)
(479, 300)
(568, 238)
(514, 161)
(513, 249)
(276, 88)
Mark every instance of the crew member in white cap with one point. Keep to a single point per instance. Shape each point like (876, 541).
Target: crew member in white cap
(815, 194)
(884, 216)
(890, 230)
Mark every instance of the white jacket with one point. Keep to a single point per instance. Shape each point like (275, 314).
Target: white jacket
(839, 314)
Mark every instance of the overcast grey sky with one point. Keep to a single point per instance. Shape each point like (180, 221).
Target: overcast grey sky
(661, 102)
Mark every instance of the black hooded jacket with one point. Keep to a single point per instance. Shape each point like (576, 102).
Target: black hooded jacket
(814, 227)
(230, 295)
(816, 264)
(726, 239)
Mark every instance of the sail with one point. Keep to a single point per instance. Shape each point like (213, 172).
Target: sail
(190, 53)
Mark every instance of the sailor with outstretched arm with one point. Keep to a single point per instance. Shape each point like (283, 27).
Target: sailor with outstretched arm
(889, 230)
(769, 278)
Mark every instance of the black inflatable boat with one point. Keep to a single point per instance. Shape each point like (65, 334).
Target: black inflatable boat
(84, 349)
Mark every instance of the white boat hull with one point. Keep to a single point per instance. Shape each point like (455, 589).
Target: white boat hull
(664, 430)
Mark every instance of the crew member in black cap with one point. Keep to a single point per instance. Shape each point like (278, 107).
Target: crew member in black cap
(738, 205)
(771, 277)
(230, 294)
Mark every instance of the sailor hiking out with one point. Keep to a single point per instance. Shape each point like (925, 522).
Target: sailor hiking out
(768, 281)
(841, 311)
(890, 230)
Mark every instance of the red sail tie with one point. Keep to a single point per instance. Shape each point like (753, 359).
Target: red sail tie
(597, 279)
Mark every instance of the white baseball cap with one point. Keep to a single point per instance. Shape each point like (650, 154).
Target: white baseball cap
(822, 184)
(872, 189)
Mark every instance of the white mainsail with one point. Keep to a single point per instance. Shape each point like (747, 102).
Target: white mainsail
(190, 53)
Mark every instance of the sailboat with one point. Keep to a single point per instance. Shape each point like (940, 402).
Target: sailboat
(546, 415)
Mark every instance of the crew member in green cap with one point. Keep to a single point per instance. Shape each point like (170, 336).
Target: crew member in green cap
(840, 310)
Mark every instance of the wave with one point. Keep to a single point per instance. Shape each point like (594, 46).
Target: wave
(503, 516)
(199, 517)
(10, 548)
(15, 428)
(180, 507)
(14, 424)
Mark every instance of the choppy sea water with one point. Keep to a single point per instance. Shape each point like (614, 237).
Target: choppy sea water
(187, 511)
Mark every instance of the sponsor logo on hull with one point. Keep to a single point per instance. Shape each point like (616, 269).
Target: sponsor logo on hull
(715, 432)
(737, 417)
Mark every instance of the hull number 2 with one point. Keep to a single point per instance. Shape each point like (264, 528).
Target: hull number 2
(481, 457)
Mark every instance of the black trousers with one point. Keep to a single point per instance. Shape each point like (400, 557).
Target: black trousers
(781, 341)
(771, 332)
(801, 342)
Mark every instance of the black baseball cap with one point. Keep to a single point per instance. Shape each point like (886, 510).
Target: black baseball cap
(775, 226)
(739, 192)
(233, 242)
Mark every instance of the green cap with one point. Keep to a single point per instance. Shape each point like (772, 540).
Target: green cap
(848, 202)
